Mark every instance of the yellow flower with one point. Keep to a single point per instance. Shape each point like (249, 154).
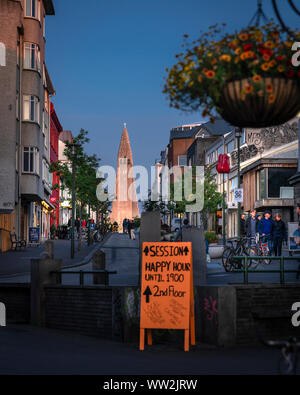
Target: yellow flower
(280, 69)
(269, 44)
(238, 51)
(200, 78)
(265, 66)
(226, 58)
(288, 44)
(271, 98)
(237, 59)
(243, 36)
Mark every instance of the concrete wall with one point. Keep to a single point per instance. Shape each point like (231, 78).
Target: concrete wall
(16, 298)
(225, 316)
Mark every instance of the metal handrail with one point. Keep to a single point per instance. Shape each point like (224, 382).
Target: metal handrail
(282, 270)
(82, 273)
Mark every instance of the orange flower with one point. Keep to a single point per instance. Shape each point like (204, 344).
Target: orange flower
(271, 98)
(243, 56)
(226, 58)
(256, 78)
(214, 61)
(248, 89)
(269, 88)
(210, 74)
(237, 59)
(288, 44)
(272, 63)
(249, 54)
(243, 36)
(269, 44)
(238, 51)
(265, 66)
(280, 69)
(260, 93)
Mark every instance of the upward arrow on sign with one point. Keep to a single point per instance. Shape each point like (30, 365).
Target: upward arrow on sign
(147, 293)
(146, 251)
(186, 251)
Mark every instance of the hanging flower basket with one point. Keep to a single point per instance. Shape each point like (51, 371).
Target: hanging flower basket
(247, 78)
(260, 110)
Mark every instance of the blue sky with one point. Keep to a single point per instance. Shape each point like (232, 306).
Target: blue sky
(107, 61)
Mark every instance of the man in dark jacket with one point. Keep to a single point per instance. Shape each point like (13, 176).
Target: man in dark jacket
(279, 234)
(243, 225)
(265, 228)
(251, 226)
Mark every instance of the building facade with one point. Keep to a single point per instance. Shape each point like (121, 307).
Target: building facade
(55, 130)
(24, 118)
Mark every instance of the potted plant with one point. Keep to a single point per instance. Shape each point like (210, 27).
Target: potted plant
(214, 250)
(248, 77)
(52, 231)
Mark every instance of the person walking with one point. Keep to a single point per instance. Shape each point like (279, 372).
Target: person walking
(265, 229)
(243, 225)
(251, 227)
(125, 225)
(132, 230)
(178, 236)
(279, 234)
(129, 227)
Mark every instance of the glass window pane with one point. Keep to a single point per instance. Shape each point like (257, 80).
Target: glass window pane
(31, 161)
(33, 8)
(25, 161)
(26, 108)
(28, 8)
(32, 108)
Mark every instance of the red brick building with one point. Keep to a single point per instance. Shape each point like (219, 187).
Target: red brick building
(55, 130)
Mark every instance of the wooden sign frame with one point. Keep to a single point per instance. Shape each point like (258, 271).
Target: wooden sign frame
(164, 267)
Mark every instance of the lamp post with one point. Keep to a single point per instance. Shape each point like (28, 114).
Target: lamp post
(74, 151)
(238, 135)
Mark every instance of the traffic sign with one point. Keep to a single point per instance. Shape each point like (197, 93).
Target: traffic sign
(167, 300)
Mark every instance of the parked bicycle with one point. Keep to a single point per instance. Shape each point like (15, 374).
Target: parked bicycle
(259, 246)
(239, 249)
(288, 361)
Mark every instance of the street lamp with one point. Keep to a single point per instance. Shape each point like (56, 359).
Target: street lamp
(238, 135)
(74, 148)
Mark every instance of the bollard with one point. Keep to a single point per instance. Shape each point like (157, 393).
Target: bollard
(98, 261)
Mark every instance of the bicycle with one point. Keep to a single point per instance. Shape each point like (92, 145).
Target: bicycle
(230, 251)
(288, 361)
(259, 248)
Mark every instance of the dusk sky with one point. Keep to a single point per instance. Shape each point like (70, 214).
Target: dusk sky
(107, 61)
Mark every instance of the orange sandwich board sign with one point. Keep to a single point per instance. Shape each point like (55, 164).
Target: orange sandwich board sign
(167, 300)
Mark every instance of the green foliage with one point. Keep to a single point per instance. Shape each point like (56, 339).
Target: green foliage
(211, 237)
(86, 166)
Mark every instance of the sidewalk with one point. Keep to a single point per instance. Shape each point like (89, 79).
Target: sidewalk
(15, 266)
(27, 350)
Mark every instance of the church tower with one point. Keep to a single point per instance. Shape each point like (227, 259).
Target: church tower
(125, 205)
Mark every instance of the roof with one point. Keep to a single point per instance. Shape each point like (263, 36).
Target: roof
(184, 132)
(49, 7)
(66, 136)
(218, 128)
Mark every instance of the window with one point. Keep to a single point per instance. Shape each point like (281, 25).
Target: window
(260, 184)
(243, 138)
(2, 55)
(30, 160)
(230, 147)
(47, 176)
(182, 160)
(220, 151)
(45, 127)
(32, 57)
(32, 8)
(278, 177)
(31, 109)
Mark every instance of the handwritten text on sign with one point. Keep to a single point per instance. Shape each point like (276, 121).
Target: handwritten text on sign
(166, 279)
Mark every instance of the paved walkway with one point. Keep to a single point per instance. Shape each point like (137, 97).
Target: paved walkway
(27, 350)
(15, 265)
